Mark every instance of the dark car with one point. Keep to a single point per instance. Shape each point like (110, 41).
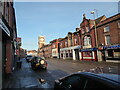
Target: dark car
(38, 63)
(87, 81)
(28, 58)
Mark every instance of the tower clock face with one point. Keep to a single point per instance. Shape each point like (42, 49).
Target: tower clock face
(41, 40)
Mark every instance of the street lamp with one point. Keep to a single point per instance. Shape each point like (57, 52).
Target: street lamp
(96, 36)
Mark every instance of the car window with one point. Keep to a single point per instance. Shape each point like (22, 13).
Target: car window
(90, 83)
(74, 81)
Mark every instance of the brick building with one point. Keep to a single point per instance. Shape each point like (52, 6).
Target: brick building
(94, 40)
(88, 38)
(54, 48)
(70, 45)
(109, 38)
(8, 35)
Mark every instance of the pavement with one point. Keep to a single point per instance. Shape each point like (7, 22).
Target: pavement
(25, 77)
(22, 77)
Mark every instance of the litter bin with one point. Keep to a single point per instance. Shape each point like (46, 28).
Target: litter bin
(19, 64)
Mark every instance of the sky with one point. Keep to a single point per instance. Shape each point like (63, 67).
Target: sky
(55, 19)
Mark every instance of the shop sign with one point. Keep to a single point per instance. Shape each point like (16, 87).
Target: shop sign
(90, 49)
(111, 47)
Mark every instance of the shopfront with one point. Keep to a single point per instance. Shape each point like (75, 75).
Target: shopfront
(112, 53)
(88, 54)
(70, 53)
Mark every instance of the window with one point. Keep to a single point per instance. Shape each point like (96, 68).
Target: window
(71, 55)
(118, 24)
(87, 29)
(53, 45)
(106, 29)
(66, 54)
(76, 41)
(92, 84)
(87, 54)
(107, 39)
(66, 43)
(87, 40)
(83, 31)
(62, 55)
(61, 45)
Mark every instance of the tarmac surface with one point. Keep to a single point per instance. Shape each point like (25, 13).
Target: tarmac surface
(25, 77)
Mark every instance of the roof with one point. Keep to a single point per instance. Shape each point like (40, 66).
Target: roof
(100, 19)
(111, 77)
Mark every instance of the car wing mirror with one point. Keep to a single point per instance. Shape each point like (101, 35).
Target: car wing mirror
(42, 81)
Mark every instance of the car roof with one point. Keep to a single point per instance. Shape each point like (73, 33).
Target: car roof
(111, 77)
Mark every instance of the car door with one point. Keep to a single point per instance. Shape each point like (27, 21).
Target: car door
(73, 82)
(94, 83)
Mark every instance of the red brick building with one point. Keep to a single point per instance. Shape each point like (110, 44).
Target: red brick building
(55, 48)
(8, 35)
(94, 40)
(70, 45)
(109, 38)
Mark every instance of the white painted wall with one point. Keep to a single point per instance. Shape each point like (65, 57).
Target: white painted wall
(74, 58)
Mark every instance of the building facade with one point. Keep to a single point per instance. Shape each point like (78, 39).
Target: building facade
(89, 50)
(109, 41)
(8, 35)
(94, 40)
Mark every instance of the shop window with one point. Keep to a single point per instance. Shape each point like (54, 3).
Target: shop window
(107, 39)
(110, 53)
(71, 55)
(66, 54)
(87, 54)
(61, 55)
(106, 29)
(117, 53)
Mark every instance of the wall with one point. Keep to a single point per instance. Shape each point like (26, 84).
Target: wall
(0, 55)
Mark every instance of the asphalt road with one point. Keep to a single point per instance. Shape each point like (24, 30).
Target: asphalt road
(58, 68)
(25, 77)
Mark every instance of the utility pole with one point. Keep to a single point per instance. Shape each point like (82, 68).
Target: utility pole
(96, 36)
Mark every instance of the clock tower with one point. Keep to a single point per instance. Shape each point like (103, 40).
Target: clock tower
(41, 41)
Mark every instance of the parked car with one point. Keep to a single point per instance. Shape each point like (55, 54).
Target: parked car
(38, 63)
(28, 58)
(87, 81)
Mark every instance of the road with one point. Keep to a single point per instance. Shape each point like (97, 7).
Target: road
(28, 78)
(59, 68)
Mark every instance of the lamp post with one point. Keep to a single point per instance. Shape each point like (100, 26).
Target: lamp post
(96, 36)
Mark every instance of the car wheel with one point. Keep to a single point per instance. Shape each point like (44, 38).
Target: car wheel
(45, 68)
